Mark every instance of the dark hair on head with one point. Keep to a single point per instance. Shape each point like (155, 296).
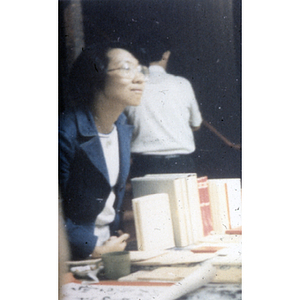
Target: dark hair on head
(88, 73)
(157, 49)
(151, 47)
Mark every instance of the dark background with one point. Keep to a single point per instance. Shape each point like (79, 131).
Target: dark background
(205, 40)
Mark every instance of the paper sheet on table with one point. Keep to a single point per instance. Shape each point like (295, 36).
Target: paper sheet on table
(143, 255)
(161, 274)
(175, 258)
(172, 274)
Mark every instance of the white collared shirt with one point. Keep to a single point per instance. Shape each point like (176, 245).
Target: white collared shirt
(164, 118)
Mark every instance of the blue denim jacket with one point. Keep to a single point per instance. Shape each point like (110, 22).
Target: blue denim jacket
(83, 177)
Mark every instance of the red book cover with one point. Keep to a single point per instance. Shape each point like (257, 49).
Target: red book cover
(205, 205)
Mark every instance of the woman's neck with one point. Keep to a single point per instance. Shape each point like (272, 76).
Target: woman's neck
(105, 114)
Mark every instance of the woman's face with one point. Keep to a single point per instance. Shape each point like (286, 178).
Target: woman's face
(122, 86)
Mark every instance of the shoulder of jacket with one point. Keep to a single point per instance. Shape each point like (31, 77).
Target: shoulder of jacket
(75, 121)
(67, 119)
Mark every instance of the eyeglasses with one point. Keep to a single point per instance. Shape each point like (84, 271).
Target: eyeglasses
(129, 71)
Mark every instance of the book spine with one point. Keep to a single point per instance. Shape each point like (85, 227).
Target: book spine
(227, 205)
(186, 209)
(178, 215)
(137, 225)
(205, 205)
(195, 210)
(219, 207)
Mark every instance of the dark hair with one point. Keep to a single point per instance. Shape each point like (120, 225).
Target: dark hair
(151, 47)
(88, 73)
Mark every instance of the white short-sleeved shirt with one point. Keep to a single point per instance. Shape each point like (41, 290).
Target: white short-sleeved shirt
(164, 118)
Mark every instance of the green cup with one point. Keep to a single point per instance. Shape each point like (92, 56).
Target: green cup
(116, 264)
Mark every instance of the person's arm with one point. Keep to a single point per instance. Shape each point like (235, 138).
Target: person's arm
(114, 243)
(196, 128)
(67, 132)
(195, 114)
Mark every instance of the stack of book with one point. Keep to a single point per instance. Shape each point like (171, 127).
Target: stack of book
(225, 203)
(180, 209)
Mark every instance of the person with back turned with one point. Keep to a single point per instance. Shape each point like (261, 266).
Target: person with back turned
(163, 140)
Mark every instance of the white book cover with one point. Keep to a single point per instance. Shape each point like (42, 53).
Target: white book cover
(142, 186)
(193, 203)
(192, 218)
(153, 222)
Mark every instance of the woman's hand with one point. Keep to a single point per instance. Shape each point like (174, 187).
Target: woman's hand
(114, 243)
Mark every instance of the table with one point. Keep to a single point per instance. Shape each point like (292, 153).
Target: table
(124, 291)
(75, 289)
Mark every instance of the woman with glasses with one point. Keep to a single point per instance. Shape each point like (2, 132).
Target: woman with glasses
(94, 144)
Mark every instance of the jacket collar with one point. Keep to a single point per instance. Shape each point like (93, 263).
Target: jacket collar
(93, 148)
(86, 124)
